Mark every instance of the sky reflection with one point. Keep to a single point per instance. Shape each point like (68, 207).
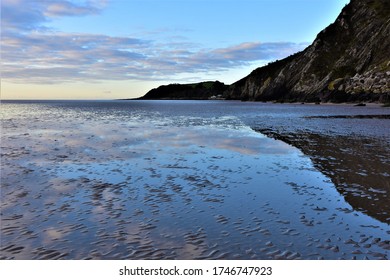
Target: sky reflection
(101, 184)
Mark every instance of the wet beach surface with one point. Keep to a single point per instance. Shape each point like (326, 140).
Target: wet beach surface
(193, 180)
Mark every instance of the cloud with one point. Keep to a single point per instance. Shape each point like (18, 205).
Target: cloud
(15, 17)
(50, 58)
(27, 15)
(34, 53)
(67, 8)
(243, 54)
(256, 50)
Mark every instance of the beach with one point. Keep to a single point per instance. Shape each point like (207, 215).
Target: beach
(193, 180)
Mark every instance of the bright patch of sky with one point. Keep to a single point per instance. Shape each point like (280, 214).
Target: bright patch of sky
(122, 48)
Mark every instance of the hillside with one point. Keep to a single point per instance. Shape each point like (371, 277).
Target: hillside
(348, 61)
(203, 90)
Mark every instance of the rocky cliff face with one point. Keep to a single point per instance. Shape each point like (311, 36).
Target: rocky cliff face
(348, 61)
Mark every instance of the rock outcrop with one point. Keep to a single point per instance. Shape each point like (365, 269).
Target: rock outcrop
(348, 61)
(204, 90)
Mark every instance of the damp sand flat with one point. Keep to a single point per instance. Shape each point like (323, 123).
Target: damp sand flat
(179, 180)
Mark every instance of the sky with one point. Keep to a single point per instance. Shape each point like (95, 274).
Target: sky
(111, 49)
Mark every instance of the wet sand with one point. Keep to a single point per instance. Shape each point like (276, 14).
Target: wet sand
(86, 181)
(361, 176)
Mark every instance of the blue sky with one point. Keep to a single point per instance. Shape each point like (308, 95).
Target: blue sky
(102, 49)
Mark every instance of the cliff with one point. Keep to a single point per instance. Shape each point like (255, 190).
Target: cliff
(348, 61)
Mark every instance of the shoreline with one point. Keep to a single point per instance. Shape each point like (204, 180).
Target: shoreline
(356, 104)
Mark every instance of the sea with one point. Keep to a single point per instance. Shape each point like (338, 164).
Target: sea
(216, 179)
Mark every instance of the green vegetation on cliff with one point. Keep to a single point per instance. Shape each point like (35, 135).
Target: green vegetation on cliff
(203, 90)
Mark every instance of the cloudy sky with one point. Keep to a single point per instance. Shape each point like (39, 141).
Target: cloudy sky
(104, 49)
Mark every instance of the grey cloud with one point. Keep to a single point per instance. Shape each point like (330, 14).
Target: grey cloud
(24, 15)
(66, 57)
(67, 8)
(69, 57)
(248, 52)
(32, 53)
(21, 16)
(234, 56)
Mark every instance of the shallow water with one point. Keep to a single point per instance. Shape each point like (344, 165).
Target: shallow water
(185, 180)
